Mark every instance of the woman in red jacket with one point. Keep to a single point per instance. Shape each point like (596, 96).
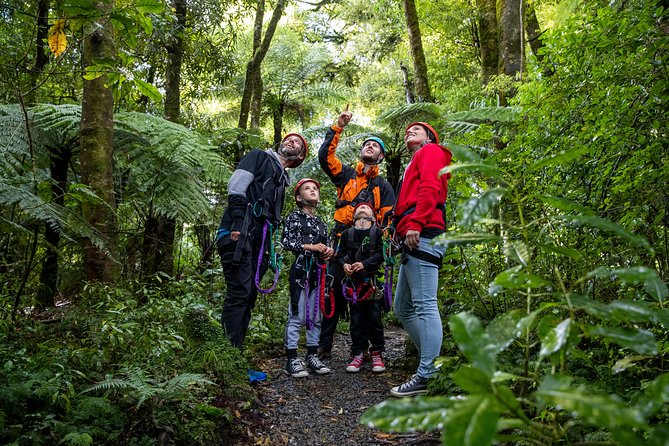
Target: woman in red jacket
(418, 218)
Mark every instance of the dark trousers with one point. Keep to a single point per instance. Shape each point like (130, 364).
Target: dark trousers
(329, 324)
(241, 291)
(367, 327)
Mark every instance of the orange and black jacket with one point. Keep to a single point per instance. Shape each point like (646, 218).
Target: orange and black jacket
(353, 186)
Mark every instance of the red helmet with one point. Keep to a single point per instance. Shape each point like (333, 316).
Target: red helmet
(304, 181)
(428, 129)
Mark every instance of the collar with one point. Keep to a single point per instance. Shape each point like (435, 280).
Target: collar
(373, 172)
(277, 159)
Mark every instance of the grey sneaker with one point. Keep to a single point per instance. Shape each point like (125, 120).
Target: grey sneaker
(415, 386)
(317, 365)
(295, 368)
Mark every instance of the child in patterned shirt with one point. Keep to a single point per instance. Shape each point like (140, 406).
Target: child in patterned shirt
(305, 235)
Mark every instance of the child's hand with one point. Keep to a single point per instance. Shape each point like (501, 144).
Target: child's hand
(356, 267)
(328, 253)
(347, 269)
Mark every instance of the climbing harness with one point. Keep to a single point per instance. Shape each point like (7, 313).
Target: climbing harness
(274, 258)
(312, 306)
(322, 272)
(390, 248)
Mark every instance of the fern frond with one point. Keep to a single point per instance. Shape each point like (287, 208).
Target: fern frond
(419, 111)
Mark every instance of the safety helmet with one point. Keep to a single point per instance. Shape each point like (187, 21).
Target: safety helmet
(379, 141)
(304, 181)
(431, 132)
(305, 147)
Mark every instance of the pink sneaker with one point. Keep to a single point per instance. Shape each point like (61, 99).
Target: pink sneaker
(377, 363)
(356, 363)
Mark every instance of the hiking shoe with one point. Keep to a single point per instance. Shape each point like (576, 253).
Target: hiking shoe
(324, 353)
(295, 368)
(377, 363)
(317, 365)
(415, 386)
(356, 363)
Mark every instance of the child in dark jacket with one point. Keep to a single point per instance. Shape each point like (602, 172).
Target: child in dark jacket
(360, 256)
(305, 235)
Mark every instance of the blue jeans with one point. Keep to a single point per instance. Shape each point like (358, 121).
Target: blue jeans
(416, 305)
(298, 320)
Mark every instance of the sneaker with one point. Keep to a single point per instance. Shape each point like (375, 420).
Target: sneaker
(295, 368)
(317, 365)
(377, 363)
(415, 386)
(356, 363)
(324, 353)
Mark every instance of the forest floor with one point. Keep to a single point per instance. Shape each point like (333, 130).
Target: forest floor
(325, 409)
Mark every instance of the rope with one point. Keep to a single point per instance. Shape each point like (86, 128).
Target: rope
(274, 263)
(322, 279)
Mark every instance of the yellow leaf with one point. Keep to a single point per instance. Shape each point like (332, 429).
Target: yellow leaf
(57, 40)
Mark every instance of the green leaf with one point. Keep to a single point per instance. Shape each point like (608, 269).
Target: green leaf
(476, 208)
(149, 90)
(473, 342)
(482, 167)
(472, 380)
(518, 252)
(471, 422)
(656, 288)
(608, 226)
(408, 415)
(603, 410)
(559, 158)
(617, 311)
(561, 250)
(464, 239)
(517, 278)
(147, 6)
(503, 330)
(566, 205)
(555, 339)
(640, 341)
(633, 274)
(655, 396)
(627, 362)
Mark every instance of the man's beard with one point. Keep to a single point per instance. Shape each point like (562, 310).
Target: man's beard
(289, 155)
(369, 159)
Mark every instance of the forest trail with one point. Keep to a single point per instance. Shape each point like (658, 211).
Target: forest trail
(324, 410)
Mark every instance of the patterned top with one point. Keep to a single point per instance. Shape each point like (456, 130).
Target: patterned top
(300, 229)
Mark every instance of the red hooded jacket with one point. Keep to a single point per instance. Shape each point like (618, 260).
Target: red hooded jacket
(422, 194)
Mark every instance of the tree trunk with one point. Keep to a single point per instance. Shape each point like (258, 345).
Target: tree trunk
(41, 58)
(96, 145)
(254, 65)
(510, 40)
(277, 115)
(407, 85)
(533, 31)
(48, 278)
(256, 101)
(488, 38)
(421, 85)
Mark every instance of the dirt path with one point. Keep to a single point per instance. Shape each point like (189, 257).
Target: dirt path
(324, 410)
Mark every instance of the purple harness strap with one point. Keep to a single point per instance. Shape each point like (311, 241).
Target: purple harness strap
(388, 286)
(260, 256)
(311, 316)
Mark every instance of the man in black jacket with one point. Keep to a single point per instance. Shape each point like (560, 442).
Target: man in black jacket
(255, 199)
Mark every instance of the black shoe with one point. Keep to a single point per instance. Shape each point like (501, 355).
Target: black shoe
(415, 386)
(295, 368)
(317, 365)
(324, 354)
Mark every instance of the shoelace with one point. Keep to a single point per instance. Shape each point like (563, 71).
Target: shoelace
(412, 382)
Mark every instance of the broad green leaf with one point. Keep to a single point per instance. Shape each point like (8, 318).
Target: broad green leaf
(633, 274)
(656, 288)
(472, 380)
(518, 252)
(566, 205)
(517, 278)
(559, 158)
(147, 6)
(485, 168)
(627, 437)
(471, 422)
(529, 321)
(627, 362)
(507, 397)
(149, 90)
(608, 226)
(503, 330)
(603, 410)
(476, 208)
(473, 342)
(640, 341)
(146, 23)
(408, 415)
(655, 396)
(555, 339)
(464, 239)
(560, 250)
(618, 310)
(462, 153)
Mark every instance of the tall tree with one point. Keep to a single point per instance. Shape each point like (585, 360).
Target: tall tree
(533, 30)
(253, 67)
(96, 145)
(488, 38)
(510, 38)
(421, 84)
